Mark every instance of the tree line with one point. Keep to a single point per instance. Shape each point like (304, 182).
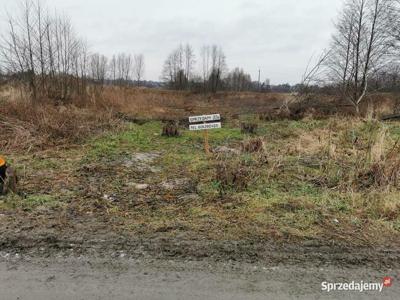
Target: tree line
(42, 51)
(179, 72)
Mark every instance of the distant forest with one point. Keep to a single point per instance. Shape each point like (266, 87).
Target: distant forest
(42, 51)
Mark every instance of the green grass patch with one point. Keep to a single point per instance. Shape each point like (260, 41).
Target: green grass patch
(28, 203)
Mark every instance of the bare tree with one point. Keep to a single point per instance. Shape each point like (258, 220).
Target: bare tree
(113, 68)
(218, 67)
(360, 46)
(213, 67)
(124, 68)
(395, 27)
(138, 68)
(314, 72)
(178, 67)
(205, 55)
(98, 68)
(190, 60)
(238, 81)
(43, 51)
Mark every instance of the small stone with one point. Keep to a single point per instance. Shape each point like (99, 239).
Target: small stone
(229, 205)
(111, 198)
(140, 186)
(155, 169)
(224, 149)
(175, 184)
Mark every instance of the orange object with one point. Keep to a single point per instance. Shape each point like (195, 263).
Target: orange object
(2, 161)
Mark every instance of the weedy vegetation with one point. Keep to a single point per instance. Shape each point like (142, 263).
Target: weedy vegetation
(333, 179)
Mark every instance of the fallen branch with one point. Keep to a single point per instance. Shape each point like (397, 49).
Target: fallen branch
(390, 117)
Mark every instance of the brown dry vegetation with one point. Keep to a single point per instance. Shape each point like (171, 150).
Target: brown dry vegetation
(375, 105)
(176, 105)
(26, 126)
(333, 180)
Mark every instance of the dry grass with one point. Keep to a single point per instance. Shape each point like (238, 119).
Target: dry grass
(254, 145)
(333, 179)
(384, 173)
(288, 192)
(26, 125)
(176, 105)
(233, 175)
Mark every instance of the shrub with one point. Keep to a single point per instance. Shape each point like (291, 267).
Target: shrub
(381, 174)
(255, 145)
(232, 175)
(249, 128)
(170, 129)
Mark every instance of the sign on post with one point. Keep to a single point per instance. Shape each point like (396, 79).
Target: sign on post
(206, 118)
(205, 126)
(207, 122)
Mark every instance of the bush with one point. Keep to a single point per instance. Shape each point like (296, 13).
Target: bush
(232, 175)
(238, 172)
(381, 174)
(249, 128)
(253, 146)
(170, 129)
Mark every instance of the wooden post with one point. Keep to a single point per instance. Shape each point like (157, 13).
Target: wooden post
(206, 144)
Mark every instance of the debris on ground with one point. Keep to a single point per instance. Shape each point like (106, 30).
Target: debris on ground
(142, 162)
(226, 150)
(175, 184)
(139, 186)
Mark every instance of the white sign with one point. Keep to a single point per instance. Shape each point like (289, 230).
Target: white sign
(205, 126)
(206, 118)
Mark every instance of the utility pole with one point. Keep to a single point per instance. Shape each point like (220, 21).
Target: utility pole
(259, 78)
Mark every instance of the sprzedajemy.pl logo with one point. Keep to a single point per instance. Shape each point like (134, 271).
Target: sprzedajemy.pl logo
(357, 286)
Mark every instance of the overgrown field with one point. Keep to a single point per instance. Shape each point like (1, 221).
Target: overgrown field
(334, 181)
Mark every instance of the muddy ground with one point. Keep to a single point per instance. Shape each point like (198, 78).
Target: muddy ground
(160, 246)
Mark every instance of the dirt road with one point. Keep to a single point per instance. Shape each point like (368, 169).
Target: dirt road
(23, 277)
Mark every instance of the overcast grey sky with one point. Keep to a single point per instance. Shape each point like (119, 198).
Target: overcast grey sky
(277, 36)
